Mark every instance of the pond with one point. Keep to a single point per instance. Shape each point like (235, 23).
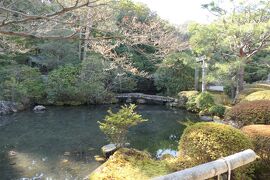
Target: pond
(61, 142)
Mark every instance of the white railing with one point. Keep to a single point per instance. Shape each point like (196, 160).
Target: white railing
(214, 168)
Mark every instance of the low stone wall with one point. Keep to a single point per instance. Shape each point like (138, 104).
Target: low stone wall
(141, 98)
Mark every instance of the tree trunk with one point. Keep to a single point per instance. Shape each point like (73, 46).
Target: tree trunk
(204, 76)
(240, 77)
(84, 35)
(196, 85)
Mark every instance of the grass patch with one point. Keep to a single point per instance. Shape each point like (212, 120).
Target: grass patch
(221, 98)
(259, 95)
(131, 164)
(249, 89)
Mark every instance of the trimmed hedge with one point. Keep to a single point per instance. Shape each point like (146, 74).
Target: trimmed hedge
(217, 110)
(253, 112)
(249, 89)
(191, 104)
(260, 136)
(199, 102)
(204, 101)
(204, 142)
(260, 95)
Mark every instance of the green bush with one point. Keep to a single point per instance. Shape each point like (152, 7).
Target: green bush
(204, 142)
(217, 110)
(249, 89)
(259, 95)
(116, 125)
(204, 101)
(260, 136)
(185, 97)
(79, 84)
(62, 85)
(130, 164)
(191, 104)
(250, 112)
(21, 83)
(174, 75)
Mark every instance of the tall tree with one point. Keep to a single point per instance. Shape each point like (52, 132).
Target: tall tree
(241, 33)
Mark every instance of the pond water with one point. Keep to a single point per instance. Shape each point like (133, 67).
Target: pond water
(61, 143)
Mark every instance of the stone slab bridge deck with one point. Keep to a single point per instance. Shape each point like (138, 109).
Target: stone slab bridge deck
(144, 98)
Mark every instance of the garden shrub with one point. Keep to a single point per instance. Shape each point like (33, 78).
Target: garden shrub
(258, 85)
(259, 95)
(79, 84)
(249, 89)
(130, 164)
(260, 136)
(21, 84)
(208, 141)
(186, 96)
(221, 98)
(204, 101)
(62, 86)
(191, 104)
(174, 75)
(217, 110)
(250, 112)
(116, 125)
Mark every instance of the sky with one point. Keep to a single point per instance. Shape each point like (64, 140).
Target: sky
(179, 11)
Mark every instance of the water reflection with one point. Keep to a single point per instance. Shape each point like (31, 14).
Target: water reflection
(62, 142)
(162, 152)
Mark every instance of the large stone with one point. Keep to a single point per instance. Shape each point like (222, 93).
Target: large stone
(141, 101)
(39, 108)
(129, 100)
(108, 150)
(206, 118)
(7, 107)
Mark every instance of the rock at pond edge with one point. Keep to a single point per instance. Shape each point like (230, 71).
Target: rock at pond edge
(39, 108)
(108, 150)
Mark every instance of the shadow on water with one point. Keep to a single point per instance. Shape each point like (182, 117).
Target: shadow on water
(62, 142)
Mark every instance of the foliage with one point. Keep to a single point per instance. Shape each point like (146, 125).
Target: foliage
(249, 89)
(256, 72)
(80, 84)
(116, 125)
(260, 136)
(217, 110)
(204, 142)
(191, 104)
(140, 56)
(259, 95)
(221, 98)
(121, 81)
(259, 68)
(235, 36)
(65, 53)
(174, 75)
(92, 78)
(62, 85)
(21, 83)
(130, 164)
(253, 112)
(187, 94)
(204, 101)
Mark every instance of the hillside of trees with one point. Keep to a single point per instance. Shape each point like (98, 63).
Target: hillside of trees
(66, 52)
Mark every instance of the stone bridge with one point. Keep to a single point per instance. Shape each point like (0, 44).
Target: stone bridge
(144, 98)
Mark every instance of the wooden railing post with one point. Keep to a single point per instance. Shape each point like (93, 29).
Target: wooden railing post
(214, 168)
